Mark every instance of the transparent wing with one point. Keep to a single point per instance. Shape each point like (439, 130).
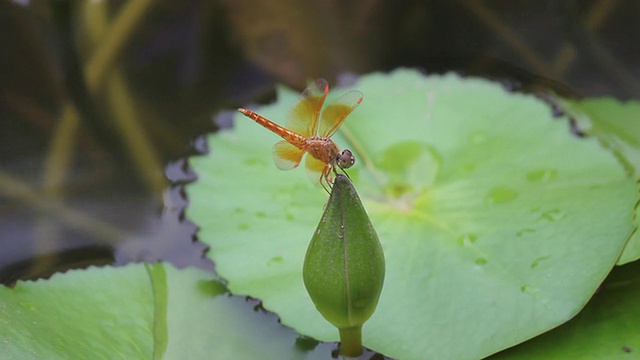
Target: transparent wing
(286, 156)
(303, 116)
(335, 113)
(315, 169)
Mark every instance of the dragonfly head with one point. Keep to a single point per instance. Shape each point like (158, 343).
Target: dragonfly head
(345, 159)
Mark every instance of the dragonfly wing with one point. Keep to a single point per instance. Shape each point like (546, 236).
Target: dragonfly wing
(303, 116)
(335, 113)
(315, 169)
(286, 156)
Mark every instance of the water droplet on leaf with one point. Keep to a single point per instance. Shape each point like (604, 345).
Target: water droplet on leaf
(525, 231)
(467, 239)
(477, 137)
(276, 260)
(553, 215)
(537, 261)
(481, 261)
(542, 175)
(501, 195)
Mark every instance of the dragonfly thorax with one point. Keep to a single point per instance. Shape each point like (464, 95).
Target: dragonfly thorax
(322, 148)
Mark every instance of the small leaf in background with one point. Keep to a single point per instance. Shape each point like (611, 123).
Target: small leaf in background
(344, 266)
(617, 125)
(79, 315)
(497, 224)
(607, 328)
(139, 312)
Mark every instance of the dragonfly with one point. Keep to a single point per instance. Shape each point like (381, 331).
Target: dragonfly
(308, 129)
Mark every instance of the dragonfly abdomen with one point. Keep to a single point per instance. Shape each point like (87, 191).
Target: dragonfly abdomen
(291, 136)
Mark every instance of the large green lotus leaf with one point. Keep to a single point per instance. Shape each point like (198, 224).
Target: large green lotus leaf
(617, 125)
(138, 312)
(607, 328)
(497, 224)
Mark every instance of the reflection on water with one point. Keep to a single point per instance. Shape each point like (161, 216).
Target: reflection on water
(42, 235)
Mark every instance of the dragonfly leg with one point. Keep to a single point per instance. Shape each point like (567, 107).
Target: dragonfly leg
(325, 180)
(327, 186)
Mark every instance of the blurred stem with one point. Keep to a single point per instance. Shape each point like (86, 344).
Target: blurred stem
(607, 61)
(109, 40)
(132, 132)
(114, 41)
(599, 12)
(121, 101)
(61, 151)
(351, 341)
(56, 165)
(508, 35)
(53, 209)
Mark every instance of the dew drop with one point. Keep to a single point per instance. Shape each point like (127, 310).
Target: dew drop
(477, 137)
(537, 261)
(28, 306)
(254, 162)
(261, 214)
(243, 226)
(525, 231)
(542, 175)
(467, 239)
(523, 288)
(275, 261)
(481, 261)
(501, 195)
(553, 215)
(468, 168)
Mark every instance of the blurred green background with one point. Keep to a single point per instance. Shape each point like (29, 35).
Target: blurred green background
(101, 101)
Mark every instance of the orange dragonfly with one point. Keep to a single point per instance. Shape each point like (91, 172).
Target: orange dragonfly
(303, 133)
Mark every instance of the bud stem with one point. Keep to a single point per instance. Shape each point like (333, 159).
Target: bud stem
(351, 341)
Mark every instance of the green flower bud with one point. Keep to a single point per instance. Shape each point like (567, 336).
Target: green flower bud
(344, 265)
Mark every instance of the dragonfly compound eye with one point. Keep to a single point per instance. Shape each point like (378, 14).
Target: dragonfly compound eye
(345, 159)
